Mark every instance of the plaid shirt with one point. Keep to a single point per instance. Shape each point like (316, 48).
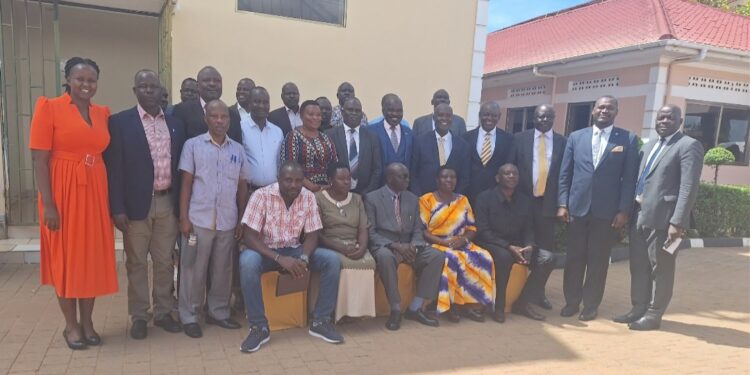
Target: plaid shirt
(278, 226)
(159, 142)
(337, 118)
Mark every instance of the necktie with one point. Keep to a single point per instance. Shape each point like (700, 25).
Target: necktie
(486, 149)
(441, 151)
(394, 138)
(397, 210)
(541, 157)
(642, 180)
(596, 149)
(353, 153)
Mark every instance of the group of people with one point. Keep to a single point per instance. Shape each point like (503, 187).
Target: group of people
(244, 190)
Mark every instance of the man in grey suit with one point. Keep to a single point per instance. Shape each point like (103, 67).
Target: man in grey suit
(358, 147)
(426, 123)
(665, 195)
(395, 237)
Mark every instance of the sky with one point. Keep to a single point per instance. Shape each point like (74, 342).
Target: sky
(504, 13)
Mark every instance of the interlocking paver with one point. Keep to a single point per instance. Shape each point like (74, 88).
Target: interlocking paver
(705, 331)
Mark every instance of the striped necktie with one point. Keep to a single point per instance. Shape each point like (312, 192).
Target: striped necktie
(486, 149)
(441, 151)
(353, 152)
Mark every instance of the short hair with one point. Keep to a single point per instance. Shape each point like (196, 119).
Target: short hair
(145, 71)
(333, 167)
(188, 79)
(291, 165)
(72, 62)
(322, 98)
(445, 167)
(306, 104)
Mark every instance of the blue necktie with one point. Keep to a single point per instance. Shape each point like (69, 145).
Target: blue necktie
(642, 180)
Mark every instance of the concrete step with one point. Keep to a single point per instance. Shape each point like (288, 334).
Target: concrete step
(26, 251)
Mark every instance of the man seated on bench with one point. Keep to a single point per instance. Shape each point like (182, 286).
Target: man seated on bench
(504, 226)
(274, 219)
(395, 237)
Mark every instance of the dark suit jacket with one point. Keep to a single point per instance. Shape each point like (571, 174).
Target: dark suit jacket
(280, 118)
(523, 158)
(605, 190)
(192, 116)
(423, 125)
(384, 229)
(369, 171)
(425, 164)
(671, 185)
(234, 117)
(483, 177)
(130, 169)
(388, 154)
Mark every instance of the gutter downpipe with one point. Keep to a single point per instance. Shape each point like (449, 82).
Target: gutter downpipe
(681, 60)
(535, 71)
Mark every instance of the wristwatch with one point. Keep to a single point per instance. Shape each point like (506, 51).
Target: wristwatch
(305, 258)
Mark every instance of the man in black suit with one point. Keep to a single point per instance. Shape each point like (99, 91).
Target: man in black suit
(426, 124)
(358, 147)
(242, 108)
(287, 117)
(192, 113)
(490, 147)
(142, 159)
(665, 194)
(188, 89)
(538, 155)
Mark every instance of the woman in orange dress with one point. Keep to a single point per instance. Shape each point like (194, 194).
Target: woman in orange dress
(68, 135)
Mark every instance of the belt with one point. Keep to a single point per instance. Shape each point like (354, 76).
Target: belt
(157, 193)
(84, 161)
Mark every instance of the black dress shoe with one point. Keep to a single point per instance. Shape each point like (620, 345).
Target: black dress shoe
(499, 315)
(193, 330)
(139, 331)
(93, 340)
(227, 323)
(527, 311)
(630, 317)
(168, 323)
(394, 321)
(74, 345)
(420, 316)
(648, 322)
(568, 311)
(473, 314)
(588, 314)
(544, 303)
(452, 316)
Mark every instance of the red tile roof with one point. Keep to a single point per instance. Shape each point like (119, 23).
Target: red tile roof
(603, 25)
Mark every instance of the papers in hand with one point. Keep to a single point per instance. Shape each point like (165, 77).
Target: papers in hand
(672, 246)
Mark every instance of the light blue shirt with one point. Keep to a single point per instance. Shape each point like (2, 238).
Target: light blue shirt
(261, 149)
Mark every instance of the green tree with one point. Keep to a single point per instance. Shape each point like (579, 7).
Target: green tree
(743, 9)
(718, 156)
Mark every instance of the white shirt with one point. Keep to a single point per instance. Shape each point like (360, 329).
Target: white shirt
(447, 143)
(656, 146)
(605, 133)
(387, 127)
(294, 118)
(244, 115)
(548, 144)
(480, 140)
(349, 135)
(261, 149)
(203, 105)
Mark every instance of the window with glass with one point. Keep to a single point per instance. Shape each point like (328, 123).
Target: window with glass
(723, 125)
(520, 119)
(579, 116)
(326, 11)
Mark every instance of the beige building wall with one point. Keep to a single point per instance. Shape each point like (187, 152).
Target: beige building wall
(410, 48)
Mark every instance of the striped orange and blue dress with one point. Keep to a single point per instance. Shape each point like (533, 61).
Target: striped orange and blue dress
(468, 272)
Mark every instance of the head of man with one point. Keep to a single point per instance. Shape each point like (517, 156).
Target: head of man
(393, 109)
(209, 84)
(544, 117)
(217, 119)
(164, 100)
(397, 177)
(345, 91)
(326, 110)
(189, 89)
(259, 103)
(290, 96)
(507, 177)
(440, 96)
(147, 90)
(489, 115)
(443, 117)
(352, 112)
(604, 112)
(290, 178)
(668, 120)
(243, 91)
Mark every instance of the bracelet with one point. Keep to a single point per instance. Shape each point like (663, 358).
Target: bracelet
(276, 258)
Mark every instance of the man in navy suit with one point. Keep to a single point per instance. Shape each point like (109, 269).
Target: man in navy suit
(141, 160)
(490, 147)
(426, 124)
(596, 192)
(438, 148)
(396, 140)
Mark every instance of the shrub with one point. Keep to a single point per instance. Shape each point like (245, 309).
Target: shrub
(722, 211)
(718, 156)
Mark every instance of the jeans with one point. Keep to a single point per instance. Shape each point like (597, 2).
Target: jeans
(253, 265)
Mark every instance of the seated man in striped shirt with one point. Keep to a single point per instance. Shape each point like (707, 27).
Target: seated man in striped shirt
(274, 219)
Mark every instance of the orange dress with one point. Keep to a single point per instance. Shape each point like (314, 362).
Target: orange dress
(79, 258)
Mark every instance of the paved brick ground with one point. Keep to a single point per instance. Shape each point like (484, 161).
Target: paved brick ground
(706, 330)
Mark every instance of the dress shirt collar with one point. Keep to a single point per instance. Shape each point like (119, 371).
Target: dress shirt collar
(447, 138)
(348, 130)
(499, 191)
(547, 134)
(668, 138)
(492, 132)
(289, 110)
(242, 110)
(203, 104)
(393, 193)
(207, 138)
(254, 124)
(605, 132)
(143, 115)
